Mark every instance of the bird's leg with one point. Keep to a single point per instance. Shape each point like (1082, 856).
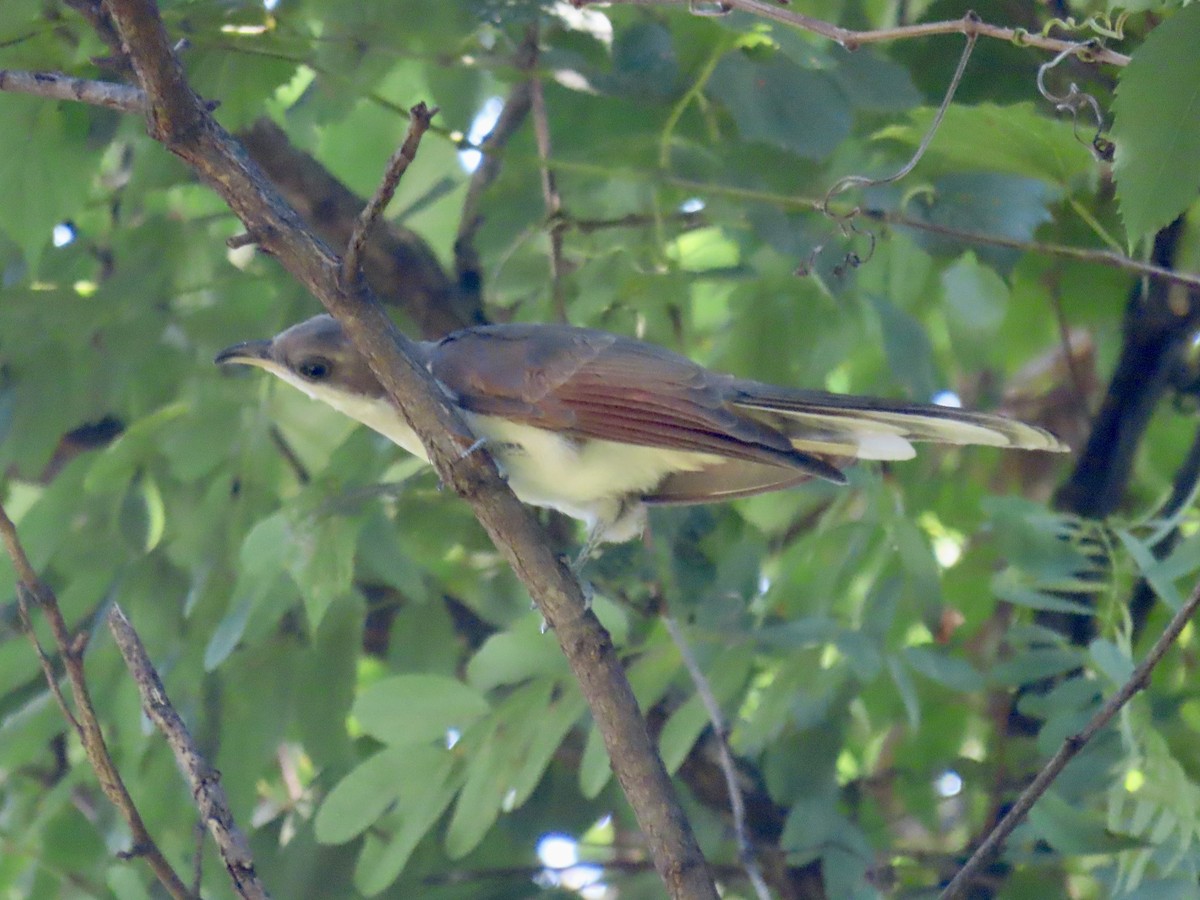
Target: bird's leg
(479, 444)
(595, 534)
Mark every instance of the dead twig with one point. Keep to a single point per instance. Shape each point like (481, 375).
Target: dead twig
(419, 119)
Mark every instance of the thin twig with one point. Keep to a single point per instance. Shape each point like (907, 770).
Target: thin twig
(419, 118)
(203, 779)
(57, 86)
(512, 114)
(848, 181)
(851, 39)
(1071, 746)
(289, 455)
(1105, 258)
(551, 198)
(635, 220)
(31, 590)
(737, 804)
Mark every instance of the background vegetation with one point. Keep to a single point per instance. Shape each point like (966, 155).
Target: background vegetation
(894, 659)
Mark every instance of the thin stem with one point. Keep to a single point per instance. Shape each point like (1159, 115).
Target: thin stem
(1070, 748)
(203, 779)
(969, 24)
(737, 803)
(32, 591)
(849, 181)
(419, 118)
(550, 196)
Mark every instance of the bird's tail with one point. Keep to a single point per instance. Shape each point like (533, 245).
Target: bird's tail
(867, 428)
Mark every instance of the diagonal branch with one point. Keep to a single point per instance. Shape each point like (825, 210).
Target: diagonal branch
(32, 591)
(204, 780)
(419, 118)
(1138, 681)
(179, 120)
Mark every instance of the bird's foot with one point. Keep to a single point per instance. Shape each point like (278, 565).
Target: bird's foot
(588, 594)
(479, 444)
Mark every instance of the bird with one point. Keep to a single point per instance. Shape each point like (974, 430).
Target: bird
(600, 426)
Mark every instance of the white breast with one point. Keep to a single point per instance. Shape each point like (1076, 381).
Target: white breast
(588, 480)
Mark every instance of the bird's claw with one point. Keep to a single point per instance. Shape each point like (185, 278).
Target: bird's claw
(478, 445)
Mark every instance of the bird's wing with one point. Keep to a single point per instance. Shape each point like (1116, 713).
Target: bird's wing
(594, 385)
(726, 480)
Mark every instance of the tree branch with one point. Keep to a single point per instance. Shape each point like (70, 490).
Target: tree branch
(851, 39)
(32, 591)
(204, 780)
(737, 803)
(419, 118)
(1070, 747)
(183, 125)
(401, 269)
(55, 86)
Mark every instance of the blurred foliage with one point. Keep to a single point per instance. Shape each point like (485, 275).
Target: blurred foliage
(340, 636)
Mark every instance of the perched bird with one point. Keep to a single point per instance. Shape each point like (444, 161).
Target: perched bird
(599, 426)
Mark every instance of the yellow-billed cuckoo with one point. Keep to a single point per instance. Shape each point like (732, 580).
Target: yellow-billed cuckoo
(599, 426)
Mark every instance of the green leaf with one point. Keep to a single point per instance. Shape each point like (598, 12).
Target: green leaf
(956, 674)
(776, 101)
(727, 674)
(1033, 665)
(46, 167)
(1150, 568)
(1156, 126)
(414, 709)
(320, 558)
(1071, 830)
(1021, 139)
(906, 689)
(363, 795)
(1110, 659)
(909, 350)
(595, 769)
(976, 297)
(1008, 586)
(425, 788)
(496, 765)
(873, 82)
(702, 249)
(809, 824)
(562, 713)
(125, 882)
(967, 201)
(643, 63)
(120, 460)
(510, 657)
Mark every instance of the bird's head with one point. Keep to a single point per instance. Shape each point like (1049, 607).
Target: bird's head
(314, 356)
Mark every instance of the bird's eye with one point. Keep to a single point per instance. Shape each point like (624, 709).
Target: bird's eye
(315, 369)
